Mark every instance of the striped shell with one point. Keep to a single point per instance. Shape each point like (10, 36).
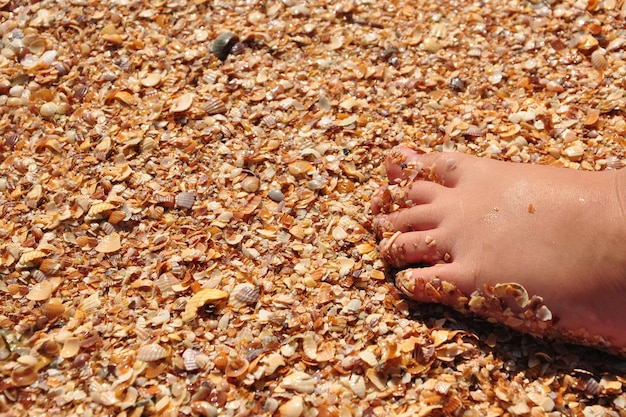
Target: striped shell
(199, 299)
(598, 60)
(244, 294)
(214, 106)
(99, 211)
(31, 258)
(185, 199)
(189, 359)
(151, 352)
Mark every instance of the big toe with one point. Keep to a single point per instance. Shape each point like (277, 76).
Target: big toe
(408, 162)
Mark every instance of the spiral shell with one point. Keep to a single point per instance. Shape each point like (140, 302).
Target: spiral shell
(151, 352)
(199, 299)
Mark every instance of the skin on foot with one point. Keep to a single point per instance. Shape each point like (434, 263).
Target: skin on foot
(537, 248)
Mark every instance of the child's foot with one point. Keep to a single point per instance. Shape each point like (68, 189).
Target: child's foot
(538, 248)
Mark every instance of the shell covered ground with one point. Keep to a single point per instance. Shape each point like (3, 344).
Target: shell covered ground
(184, 201)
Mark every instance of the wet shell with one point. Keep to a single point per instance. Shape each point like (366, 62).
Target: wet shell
(244, 294)
(199, 299)
(185, 199)
(109, 243)
(151, 352)
(41, 291)
(223, 45)
(215, 106)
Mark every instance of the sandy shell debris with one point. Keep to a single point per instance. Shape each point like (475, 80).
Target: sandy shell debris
(151, 153)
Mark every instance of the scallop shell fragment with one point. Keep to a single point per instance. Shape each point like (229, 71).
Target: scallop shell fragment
(31, 258)
(215, 106)
(202, 297)
(151, 352)
(189, 359)
(99, 211)
(185, 199)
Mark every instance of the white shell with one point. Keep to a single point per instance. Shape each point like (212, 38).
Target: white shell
(151, 352)
(185, 200)
(300, 382)
(189, 359)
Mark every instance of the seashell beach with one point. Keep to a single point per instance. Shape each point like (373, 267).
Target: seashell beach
(185, 186)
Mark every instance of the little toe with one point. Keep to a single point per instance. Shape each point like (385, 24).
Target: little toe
(406, 162)
(412, 219)
(412, 248)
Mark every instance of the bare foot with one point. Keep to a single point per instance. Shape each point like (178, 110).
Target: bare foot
(538, 248)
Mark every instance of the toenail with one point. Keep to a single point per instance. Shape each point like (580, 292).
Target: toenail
(450, 164)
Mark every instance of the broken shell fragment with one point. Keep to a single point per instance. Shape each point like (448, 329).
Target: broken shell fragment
(41, 291)
(214, 106)
(109, 243)
(70, 348)
(199, 299)
(53, 308)
(182, 103)
(31, 258)
(300, 382)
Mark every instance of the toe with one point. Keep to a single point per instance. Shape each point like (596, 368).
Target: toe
(406, 162)
(389, 198)
(441, 284)
(411, 248)
(418, 218)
